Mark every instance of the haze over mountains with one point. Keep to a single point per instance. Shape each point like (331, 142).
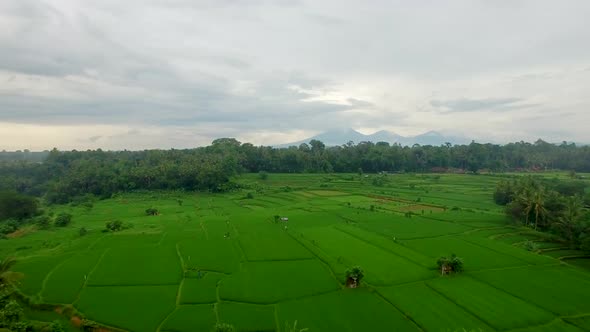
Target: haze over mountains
(342, 136)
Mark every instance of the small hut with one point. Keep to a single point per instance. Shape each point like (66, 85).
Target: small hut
(352, 282)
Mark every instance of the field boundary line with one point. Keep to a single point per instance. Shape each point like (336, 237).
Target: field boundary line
(44, 283)
(276, 314)
(179, 292)
(85, 284)
(494, 250)
(162, 238)
(512, 268)
(182, 265)
(326, 264)
(133, 285)
(382, 248)
(517, 296)
(281, 260)
(159, 328)
(408, 317)
(462, 307)
(296, 298)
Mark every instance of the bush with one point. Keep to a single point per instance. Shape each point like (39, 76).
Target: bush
(249, 196)
(56, 326)
(262, 175)
(152, 212)
(454, 263)
(83, 231)
(42, 222)
(114, 225)
(8, 227)
(63, 220)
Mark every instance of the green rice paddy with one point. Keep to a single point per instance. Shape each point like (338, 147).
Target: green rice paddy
(221, 258)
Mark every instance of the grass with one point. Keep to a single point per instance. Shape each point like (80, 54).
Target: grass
(270, 282)
(135, 308)
(149, 265)
(221, 258)
(248, 317)
(190, 318)
(490, 304)
(530, 283)
(435, 312)
(347, 310)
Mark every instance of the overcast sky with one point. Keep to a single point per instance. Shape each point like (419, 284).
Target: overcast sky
(141, 74)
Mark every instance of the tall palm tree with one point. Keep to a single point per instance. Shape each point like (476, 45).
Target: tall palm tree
(539, 206)
(533, 200)
(569, 223)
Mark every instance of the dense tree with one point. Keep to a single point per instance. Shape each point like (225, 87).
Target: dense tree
(71, 176)
(537, 200)
(17, 206)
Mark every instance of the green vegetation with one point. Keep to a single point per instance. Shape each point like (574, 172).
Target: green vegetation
(282, 260)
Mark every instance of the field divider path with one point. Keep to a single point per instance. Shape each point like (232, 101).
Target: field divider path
(494, 250)
(466, 309)
(516, 296)
(408, 317)
(44, 283)
(162, 238)
(511, 268)
(90, 274)
(326, 264)
(381, 247)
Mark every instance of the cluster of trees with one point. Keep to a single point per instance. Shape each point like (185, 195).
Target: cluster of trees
(556, 206)
(12, 317)
(66, 176)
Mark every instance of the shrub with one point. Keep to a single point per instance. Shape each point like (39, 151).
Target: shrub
(56, 326)
(356, 273)
(250, 196)
(63, 220)
(152, 212)
(454, 263)
(114, 225)
(8, 227)
(83, 231)
(262, 175)
(43, 222)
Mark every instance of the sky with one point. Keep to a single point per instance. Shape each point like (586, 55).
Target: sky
(141, 74)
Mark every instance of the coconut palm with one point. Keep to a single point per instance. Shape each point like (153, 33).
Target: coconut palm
(568, 224)
(533, 201)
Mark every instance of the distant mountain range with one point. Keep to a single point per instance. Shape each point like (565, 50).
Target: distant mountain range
(342, 136)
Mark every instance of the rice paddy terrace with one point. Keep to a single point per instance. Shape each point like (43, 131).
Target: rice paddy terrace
(209, 258)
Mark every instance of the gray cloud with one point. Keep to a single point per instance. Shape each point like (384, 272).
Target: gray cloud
(474, 105)
(239, 67)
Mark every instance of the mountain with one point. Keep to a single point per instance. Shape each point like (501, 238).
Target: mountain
(342, 136)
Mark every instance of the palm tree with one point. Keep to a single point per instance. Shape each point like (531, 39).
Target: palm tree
(539, 206)
(568, 224)
(533, 201)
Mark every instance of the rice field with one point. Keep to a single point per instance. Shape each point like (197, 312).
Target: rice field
(222, 258)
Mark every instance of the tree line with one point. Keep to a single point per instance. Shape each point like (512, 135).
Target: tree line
(65, 176)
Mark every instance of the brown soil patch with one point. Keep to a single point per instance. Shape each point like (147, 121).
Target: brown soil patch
(58, 310)
(76, 321)
(420, 207)
(20, 232)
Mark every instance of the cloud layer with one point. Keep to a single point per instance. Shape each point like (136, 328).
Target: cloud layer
(159, 73)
